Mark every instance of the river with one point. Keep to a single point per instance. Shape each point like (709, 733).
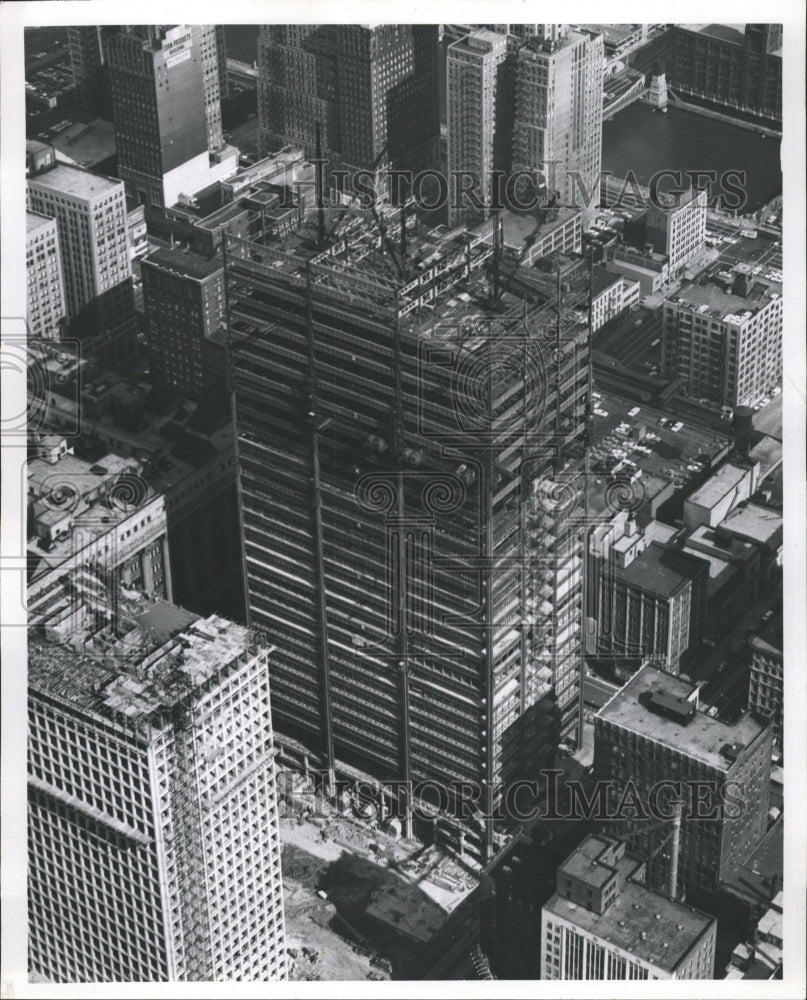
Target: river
(646, 141)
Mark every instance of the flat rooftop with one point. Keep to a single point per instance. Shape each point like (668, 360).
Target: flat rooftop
(659, 570)
(721, 482)
(703, 738)
(76, 182)
(34, 221)
(726, 304)
(86, 144)
(182, 261)
(755, 522)
(643, 923)
(587, 864)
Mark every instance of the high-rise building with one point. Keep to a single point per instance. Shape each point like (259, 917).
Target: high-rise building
(90, 213)
(154, 850)
(678, 230)
(371, 438)
(43, 267)
(603, 923)
(723, 338)
(477, 70)
(653, 738)
(183, 299)
(557, 129)
(167, 111)
(371, 89)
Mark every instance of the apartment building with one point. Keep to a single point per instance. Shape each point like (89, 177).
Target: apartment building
(90, 214)
(603, 923)
(723, 339)
(43, 268)
(350, 384)
(153, 844)
(557, 128)
(653, 731)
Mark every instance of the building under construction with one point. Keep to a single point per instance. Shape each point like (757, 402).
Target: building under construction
(411, 417)
(154, 850)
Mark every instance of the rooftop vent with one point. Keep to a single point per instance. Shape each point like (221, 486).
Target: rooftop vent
(673, 707)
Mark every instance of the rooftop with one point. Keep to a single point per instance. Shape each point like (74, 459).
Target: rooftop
(154, 657)
(769, 638)
(76, 182)
(184, 262)
(647, 925)
(86, 145)
(34, 221)
(703, 738)
(708, 297)
(727, 478)
(660, 570)
(756, 523)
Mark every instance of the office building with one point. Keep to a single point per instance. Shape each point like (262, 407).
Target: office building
(43, 270)
(603, 923)
(766, 692)
(371, 89)
(153, 844)
(478, 92)
(557, 129)
(736, 67)
(348, 389)
(99, 514)
(723, 339)
(653, 731)
(677, 231)
(652, 601)
(90, 213)
(183, 299)
(165, 97)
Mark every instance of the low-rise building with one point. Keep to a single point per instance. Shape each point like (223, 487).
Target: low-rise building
(603, 923)
(712, 502)
(762, 957)
(611, 295)
(724, 344)
(650, 269)
(763, 527)
(734, 568)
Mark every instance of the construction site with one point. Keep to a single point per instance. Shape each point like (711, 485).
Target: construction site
(361, 903)
(400, 394)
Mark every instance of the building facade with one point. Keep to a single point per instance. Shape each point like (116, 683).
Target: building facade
(766, 689)
(678, 231)
(183, 299)
(165, 98)
(154, 852)
(557, 130)
(409, 676)
(476, 92)
(43, 267)
(652, 731)
(725, 342)
(584, 935)
(736, 67)
(90, 213)
(370, 88)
